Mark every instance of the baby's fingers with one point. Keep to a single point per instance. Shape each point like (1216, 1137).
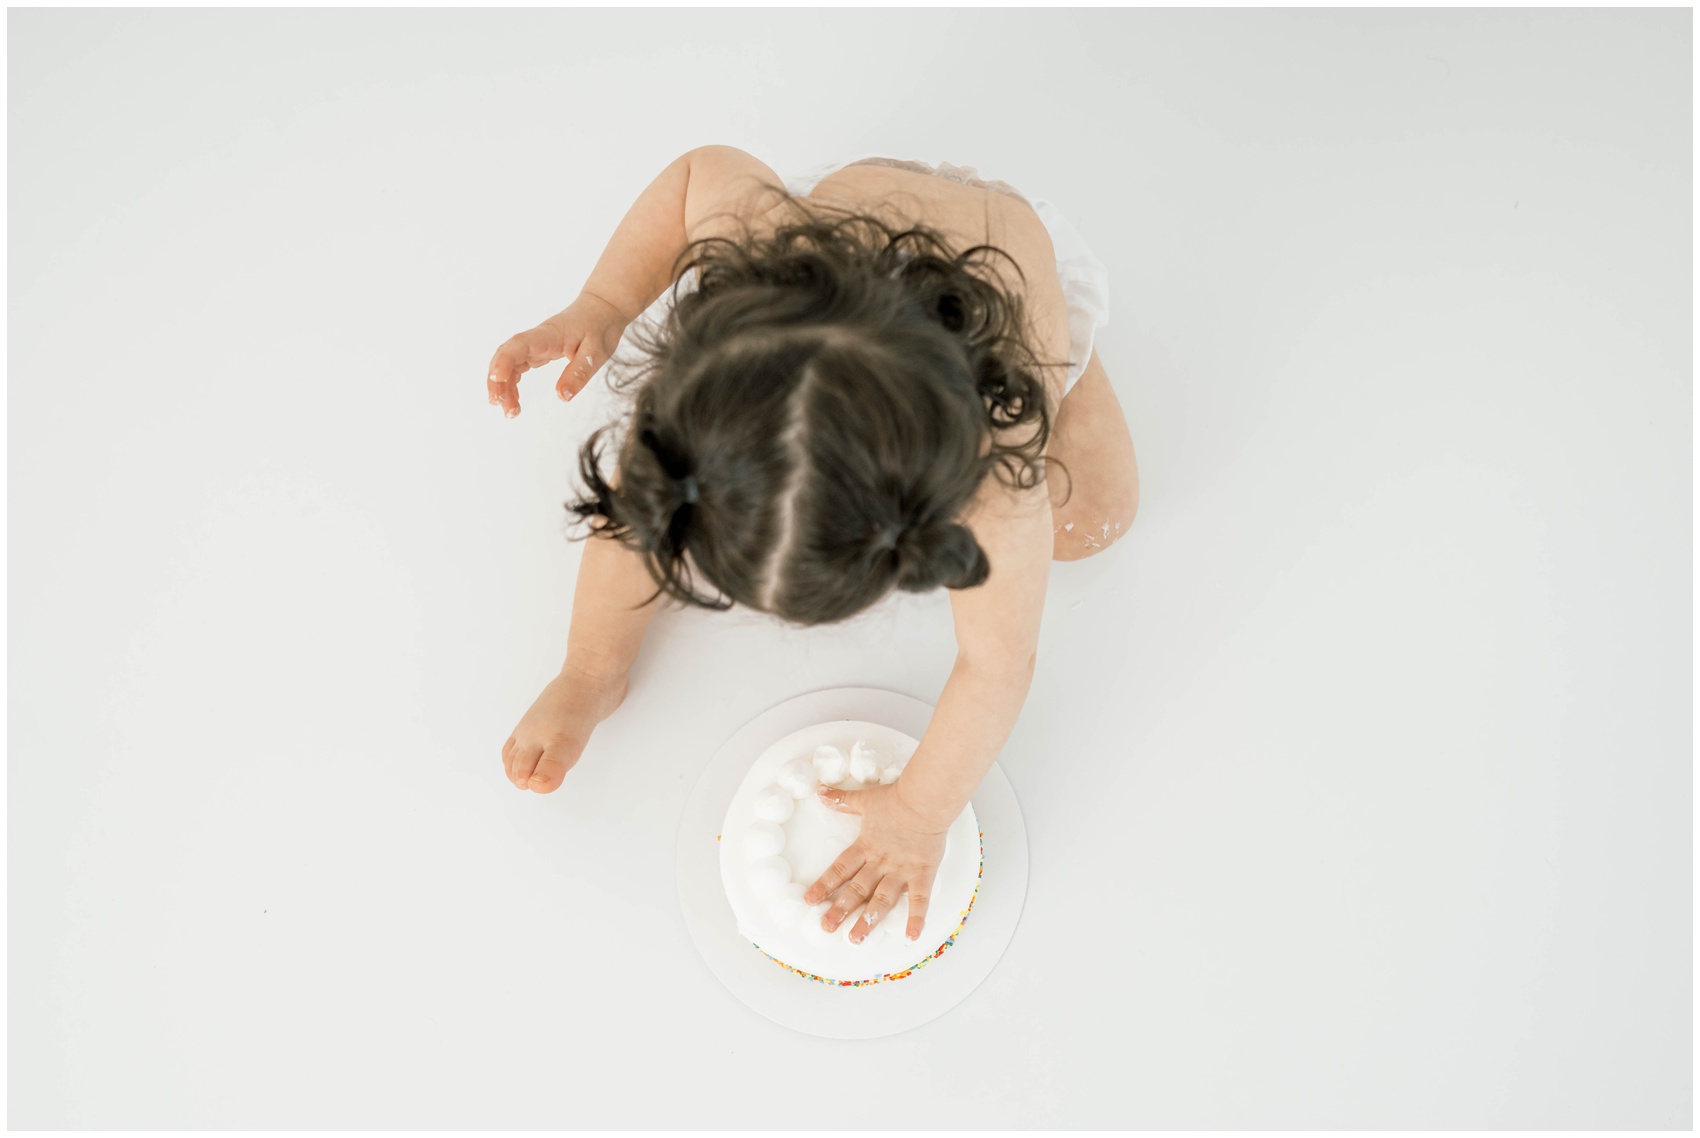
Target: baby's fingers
(856, 893)
(502, 380)
(510, 361)
(885, 896)
(581, 365)
(917, 907)
(513, 359)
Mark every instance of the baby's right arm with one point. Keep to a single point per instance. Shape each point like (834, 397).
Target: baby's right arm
(698, 195)
(694, 197)
(702, 193)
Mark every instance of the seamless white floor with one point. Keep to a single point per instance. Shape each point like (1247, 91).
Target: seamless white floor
(1358, 778)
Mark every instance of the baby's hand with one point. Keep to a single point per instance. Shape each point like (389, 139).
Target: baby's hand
(552, 734)
(585, 333)
(898, 852)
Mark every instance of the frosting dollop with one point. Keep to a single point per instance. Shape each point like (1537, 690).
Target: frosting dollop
(831, 764)
(865, 762)
(767, 874)
(797, 777)
(786, 907)
(774, 805)
(763, 839)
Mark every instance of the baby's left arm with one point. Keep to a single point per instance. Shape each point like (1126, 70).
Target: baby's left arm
(997, 636)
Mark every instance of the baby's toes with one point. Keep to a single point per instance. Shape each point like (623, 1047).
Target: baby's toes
(524, 763)
(552, 766)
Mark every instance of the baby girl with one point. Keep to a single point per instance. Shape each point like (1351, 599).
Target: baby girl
(874, 384)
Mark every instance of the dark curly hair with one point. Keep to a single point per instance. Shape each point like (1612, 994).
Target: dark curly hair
(811, 420)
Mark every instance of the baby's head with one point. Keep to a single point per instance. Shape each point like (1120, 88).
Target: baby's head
(811, 421)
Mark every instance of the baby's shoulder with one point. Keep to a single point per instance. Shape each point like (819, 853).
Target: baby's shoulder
(731, 190)
(967, 216)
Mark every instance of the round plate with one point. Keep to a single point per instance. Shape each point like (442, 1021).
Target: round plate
(809, 1006)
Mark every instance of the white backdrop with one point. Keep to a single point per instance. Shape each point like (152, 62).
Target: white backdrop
(1358, 778)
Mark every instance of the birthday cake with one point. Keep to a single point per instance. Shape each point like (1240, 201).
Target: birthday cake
(778, 837)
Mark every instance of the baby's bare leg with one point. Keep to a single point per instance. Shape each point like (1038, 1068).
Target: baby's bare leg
(608, 622)
(1091, 438)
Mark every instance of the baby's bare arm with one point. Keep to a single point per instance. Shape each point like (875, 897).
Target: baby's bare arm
(610, 615)
(701, 193)
(997, 639)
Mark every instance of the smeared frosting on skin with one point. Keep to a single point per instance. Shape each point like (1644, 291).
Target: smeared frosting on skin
(831, 764)
(763, 839)
(850, 920)
(797, 777)
(774, 805)
(768, 874)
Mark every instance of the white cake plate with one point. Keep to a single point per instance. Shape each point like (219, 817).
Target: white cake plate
(809, 1006)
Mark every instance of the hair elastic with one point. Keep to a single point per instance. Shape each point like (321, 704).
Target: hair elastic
(690, 484)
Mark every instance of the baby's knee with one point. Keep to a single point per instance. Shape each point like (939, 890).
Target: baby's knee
(1094, 523)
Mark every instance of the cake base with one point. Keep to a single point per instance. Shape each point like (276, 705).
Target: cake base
(852, 1011)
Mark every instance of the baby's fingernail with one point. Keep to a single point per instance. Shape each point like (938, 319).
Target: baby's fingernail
(854, 939)
(512, 411)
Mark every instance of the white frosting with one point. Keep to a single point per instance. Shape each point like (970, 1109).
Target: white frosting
(767, 874)
(797, 777)
(770, 909)
(774, 805)
(786, 907)
(763, 839)
(865, 762)
(815, 937)
(831, 765)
